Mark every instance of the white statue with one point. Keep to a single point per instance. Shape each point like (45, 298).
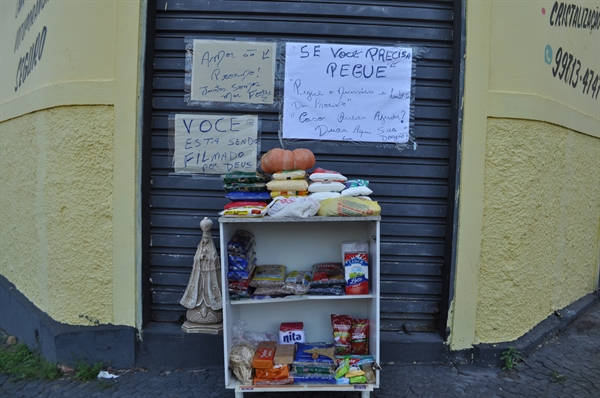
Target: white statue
(203, 297)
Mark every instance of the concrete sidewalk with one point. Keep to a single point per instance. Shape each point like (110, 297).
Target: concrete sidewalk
(568, 365)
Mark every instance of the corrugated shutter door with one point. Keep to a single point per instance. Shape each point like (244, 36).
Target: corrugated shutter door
(411, 186)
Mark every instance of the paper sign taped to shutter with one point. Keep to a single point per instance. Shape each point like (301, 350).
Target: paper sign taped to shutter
(346, 92)
(215, 144)
(233, 71)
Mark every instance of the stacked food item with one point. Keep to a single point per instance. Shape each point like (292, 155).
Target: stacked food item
(247, 280)
(247, 193)
(291, 360)
(284, 188)
(241, 262)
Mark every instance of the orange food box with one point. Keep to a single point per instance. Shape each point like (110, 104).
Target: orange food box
(263, 357)
(275, 372)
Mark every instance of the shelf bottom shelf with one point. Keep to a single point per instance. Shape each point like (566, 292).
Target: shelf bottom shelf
(364, 389)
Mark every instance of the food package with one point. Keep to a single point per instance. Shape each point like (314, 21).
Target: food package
(245, 187)
(274, 372)
(297, 282)
(289, 175)
(341, 325)
(263, 358)
(284, 354)
(291, 332)
(356, 266)
(273, 382)
(293, 206)
(349, 206)
(315, 354)
(286, 194)
(326, 186)
(287, 185)
(313, 378)
(319, 196)
(263, 195)
(271, 275)
(320, 174)
(328, 274)
(241, 242)
(360, 336)
(243, 177)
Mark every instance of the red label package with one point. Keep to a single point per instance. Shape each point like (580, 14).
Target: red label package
(356, 268)
(291, 332)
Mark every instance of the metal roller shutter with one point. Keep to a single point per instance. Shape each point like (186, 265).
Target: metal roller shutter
(411, 186)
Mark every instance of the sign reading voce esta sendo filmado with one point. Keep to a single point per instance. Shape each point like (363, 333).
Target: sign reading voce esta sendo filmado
(344, 92)
(215, 144)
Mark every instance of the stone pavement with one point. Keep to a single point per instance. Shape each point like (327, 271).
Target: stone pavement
(568, 365)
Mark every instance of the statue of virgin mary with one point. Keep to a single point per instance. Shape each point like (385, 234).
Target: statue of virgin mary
(202, 296)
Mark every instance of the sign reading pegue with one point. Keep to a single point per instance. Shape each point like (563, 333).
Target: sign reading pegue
(233, 71)
(215, 144)
(344, 92)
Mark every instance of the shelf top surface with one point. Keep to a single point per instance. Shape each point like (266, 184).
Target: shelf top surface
(268, 219)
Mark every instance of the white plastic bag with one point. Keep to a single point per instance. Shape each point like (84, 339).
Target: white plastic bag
(293, 206)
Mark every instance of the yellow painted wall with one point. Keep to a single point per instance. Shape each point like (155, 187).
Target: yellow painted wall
(529, 205)
(56, 210)
(69, 156)
(539, 247)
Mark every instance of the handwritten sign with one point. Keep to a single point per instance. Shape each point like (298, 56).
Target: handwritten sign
(215, 144)
(347, 93)
(233, 71)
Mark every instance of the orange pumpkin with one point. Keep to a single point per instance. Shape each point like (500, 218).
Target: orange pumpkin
(278, 159)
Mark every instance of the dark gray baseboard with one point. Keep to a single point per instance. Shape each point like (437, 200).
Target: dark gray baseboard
(111, 345)
(165, 345)
(488, 355)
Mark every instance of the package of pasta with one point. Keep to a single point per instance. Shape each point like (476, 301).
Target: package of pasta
(289, 175)
(284, 354)
(263, 357)
(268, 276)
(315, 354)
(313, 378)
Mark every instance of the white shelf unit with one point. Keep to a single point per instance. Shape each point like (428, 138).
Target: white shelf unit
(298, 243)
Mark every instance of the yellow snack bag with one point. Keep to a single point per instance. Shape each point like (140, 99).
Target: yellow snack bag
(349, 207)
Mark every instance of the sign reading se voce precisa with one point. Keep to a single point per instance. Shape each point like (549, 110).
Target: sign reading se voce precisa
(346, 92)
